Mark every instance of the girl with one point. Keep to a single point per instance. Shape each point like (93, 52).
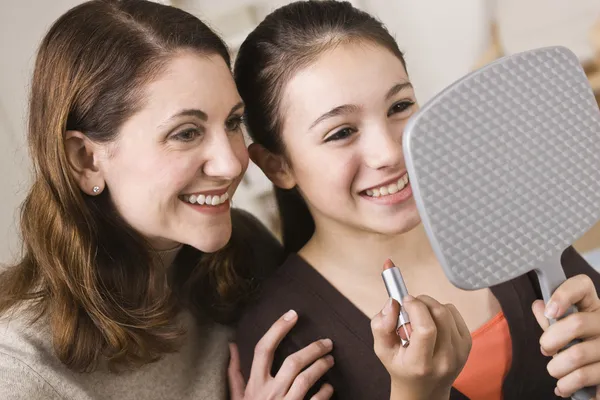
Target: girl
(327, 97)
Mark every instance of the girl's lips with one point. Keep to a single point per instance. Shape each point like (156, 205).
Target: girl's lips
(394, 180)
(390, 199)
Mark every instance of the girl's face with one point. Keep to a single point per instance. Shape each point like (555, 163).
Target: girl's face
(342, 130)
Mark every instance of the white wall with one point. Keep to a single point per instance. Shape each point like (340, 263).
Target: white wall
(22, 25)
(442, 40)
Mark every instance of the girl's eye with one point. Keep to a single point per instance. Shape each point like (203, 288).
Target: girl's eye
(400, 107)
(187, 135)
(342, 134)
(234, 123)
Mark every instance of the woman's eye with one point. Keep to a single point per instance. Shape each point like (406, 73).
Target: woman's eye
(187, 135)
(400, 107)
(342, 134)
(234, 123)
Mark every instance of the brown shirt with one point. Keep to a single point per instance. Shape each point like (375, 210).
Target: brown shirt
(358, 373)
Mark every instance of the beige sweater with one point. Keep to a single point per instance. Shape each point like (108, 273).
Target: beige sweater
(29, 370)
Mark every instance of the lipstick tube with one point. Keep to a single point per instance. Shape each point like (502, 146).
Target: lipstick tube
(396, 288)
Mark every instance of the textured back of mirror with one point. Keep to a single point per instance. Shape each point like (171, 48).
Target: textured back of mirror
(505, 166)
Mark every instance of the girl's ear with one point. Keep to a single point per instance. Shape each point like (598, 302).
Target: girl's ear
(274, 166)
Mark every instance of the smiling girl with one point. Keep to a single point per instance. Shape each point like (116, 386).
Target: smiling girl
(327, 98)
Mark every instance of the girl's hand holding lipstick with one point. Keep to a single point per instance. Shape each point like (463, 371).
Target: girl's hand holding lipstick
(438, 345)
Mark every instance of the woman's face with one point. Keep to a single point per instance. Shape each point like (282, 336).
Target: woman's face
(177, 162)
(342, 130)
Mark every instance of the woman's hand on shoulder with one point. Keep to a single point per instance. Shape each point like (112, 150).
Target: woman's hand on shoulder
(298, 373)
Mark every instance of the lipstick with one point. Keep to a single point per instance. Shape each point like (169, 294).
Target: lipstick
(396, 288)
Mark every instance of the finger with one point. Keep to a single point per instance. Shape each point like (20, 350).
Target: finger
(461, 336)
(578, 379)
(266, 346)
(579, 291)
(237, 386)
(443, 321)
(461, 325)
(580, 325)
(305, 381)
(538, 307)
(386, 342)
(296, 362)
(424, 331)
(573, 358)
(324, 393)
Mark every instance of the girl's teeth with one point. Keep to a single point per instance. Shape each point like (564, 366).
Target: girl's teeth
(201, 199)
(209, 200)
(216, 200)
(192, 199)
(224, 197)
(389, 189)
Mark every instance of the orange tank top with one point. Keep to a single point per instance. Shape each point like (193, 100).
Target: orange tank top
(488, 362)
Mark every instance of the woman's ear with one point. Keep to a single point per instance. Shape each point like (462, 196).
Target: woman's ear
(82, 154)
(274, 166)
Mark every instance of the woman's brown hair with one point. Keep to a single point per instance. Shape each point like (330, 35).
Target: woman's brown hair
(288, 40)
(83, 268)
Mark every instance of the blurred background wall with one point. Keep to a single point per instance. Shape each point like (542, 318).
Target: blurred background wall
(442, 41)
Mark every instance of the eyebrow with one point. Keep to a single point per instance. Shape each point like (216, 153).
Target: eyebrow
(194, 112)
(397, 88)
(191, 112)
(351, 108)
(334, 112)
(236, 107)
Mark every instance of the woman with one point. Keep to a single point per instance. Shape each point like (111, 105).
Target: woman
(133, 262)
(327, 97)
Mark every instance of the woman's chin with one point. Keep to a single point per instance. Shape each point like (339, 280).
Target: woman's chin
(212, 242)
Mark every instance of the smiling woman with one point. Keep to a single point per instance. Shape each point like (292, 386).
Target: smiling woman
(133, 260)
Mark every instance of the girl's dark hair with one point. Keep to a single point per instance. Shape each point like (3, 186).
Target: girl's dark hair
(84, 267)
(288, 40)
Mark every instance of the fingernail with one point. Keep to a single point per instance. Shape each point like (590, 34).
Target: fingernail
(327, 343)
(408, 298)
(551, 310)
(387, 308)
(329, 359)
(544, 352)
(557, 392)
(290, 315)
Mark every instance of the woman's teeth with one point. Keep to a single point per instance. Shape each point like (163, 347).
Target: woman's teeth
(210, 200)
(389, 189)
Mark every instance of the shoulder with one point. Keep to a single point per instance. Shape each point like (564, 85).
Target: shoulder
(251, 229)
(25, 353)
(574, 264)
(259, 244)
(23, 338)
(284, 290)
